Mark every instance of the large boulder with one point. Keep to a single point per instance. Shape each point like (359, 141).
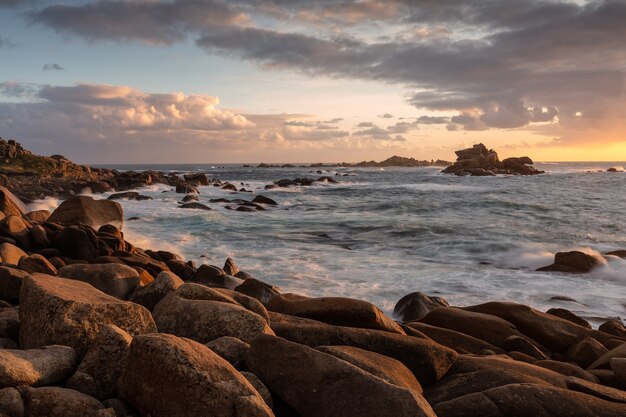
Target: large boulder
(36, 263)
(11, 283)
(149, 295)
(204, 314)
(170, 376)
(572, 262)
(427, 360)
(113, 279)
(84, 210)
(460, 342)
(416, 305)
(487, 327)
(61, 402)
(77, 242)
(101, 367)
(257, 289)
(11, 254)
(68, 312)
(10, 205)
(550, 331)
(334, 310)
(316, 384)
(526, 400)
(48, 366)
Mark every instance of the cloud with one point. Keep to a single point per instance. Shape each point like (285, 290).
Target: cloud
(386, 116)
(489, 64)
(52, 67)
(6, 43)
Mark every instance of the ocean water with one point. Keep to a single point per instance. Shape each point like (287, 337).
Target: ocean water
(382, 233)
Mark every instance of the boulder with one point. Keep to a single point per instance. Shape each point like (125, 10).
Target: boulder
(11, 254)
(338, 311)
(194, 205)
(230, 348)
(10, 205)
(61, 402)
(209, 275)
(84, 210)
(617, 352)
(113, 279)
(460, 342)
(257, 289)
(384, 367)
(573, 262)
(149, 295)
(549, 331)
(427, 360)
(523, 345)
(597, 390)
(11, 403)
(230, 267)
(568, 315)
(416, 305)
(184, 270)
(487, 327)
(68, 312)
(39, 236)
(36, 263)
(317, 384)
(38, 216)
(618, 366)
(198, 179)
(586, 352)
(129, 195)
(525, 400)
(170, 376)
(101, 367)
(261, 199)
(15, 228)
(204, 314)
(10, 323)
(260, 387)
(11, 283)
(77, 242)
(614, 327)
(567, 369)
(48, 366)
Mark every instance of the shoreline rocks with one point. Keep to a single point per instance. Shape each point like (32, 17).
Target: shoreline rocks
(480, 161)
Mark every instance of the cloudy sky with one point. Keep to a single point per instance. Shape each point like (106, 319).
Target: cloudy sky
(142, 81)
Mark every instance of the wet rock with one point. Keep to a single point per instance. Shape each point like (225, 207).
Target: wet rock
(112, 279)
(68, 312)
(101, 367)
(186, 188)
(230, 348)
(48, 366)
(184, 270)
(568, 315)
(479, 161)
(36, 263)
(230, 267)
(572, 262)
(190, 197)
(316, 384)
(142, 260)
(149, 295)
(209, 275)
(129, 195)
(258, 289)
(204, 314)
(198, 179)
(83, 210)
(38, 216)
(194, 205)
(334, 310)
(169, 376)
(613, 327)
(618, 366)
(261, 199)
(229, 187)
(416, 305)
(427, 360)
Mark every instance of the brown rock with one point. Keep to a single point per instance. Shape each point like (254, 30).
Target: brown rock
(61, 402)
(36, 263)
(169, 376)
(258, 289)
(112, 279)
(11, 283)
(416, 305)
(11, 403)
(230, 267)
(525, 400)
(11, 254)
(334, 310)
(149, 295)
(567, 369)
(427, 360)
(101, 367)
(38, 216)
(84, 210)
(10, 205)
(568, 315)
(67, 312)
(613, 327)
(597, 390)
(523, 345)
(15, 228)
(585, 352)
(48, 366)
(617, 352)
(204, 314)
(260, 387)
(317, 384)
(230, 348)
(573, 262)
(458, 341)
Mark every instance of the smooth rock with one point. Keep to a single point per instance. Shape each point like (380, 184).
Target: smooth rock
(71, 313)
(11, 282)
(460, 342)
(586, 352)
(567, 369)
(149, 295)
(257, 289)
(316, 384)
(47, 366)
(84, 210)
(61, 402)
(568, 315)
(113, 279)
(10, 205)
(11, 254)
(230, 348)
(416, 305)
(573, 262)
(36, 263)
(170, 376)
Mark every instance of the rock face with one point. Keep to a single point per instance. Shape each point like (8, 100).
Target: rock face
(71, 313)
(480, 161)
(10, 205)
(573, 262)
(83, 210)
(334, 310)
(113, 279)
(204, 314)
(169, 376)
(316, 384)
(47, 366)
(61, 402)
(416, 305)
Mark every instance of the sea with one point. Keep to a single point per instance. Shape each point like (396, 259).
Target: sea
(381, 233)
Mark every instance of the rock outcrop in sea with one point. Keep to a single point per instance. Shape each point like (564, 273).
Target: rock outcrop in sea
(480, 161)
(92, 325)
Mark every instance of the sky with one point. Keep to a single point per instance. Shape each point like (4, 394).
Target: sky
(205, 81)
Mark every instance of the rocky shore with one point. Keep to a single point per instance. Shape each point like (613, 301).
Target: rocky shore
(91, 325)
(394, 161)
